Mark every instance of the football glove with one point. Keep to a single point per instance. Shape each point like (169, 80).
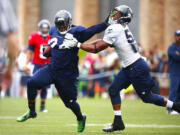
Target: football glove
(109, 17)
(69, 42)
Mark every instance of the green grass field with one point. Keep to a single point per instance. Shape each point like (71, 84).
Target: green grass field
(141, 119)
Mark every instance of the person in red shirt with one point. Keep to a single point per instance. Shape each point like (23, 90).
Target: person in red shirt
(36, 43)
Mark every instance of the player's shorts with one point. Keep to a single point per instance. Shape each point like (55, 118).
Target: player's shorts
(66, 86)
(136, 74)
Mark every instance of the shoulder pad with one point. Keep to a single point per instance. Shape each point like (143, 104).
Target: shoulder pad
(115, 27)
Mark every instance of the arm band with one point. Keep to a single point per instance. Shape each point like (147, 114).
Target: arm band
(79, 45)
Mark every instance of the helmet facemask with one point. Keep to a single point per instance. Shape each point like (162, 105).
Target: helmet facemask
(112, 21)
(63, 21)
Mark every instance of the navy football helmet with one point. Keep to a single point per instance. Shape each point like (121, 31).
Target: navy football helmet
(63, 21)
(126, 17)
(44, 27)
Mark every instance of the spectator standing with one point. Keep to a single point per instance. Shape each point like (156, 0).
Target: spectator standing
(174, 70)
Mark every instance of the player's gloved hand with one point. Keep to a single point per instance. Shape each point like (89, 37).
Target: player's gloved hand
(69, 42)
(109, 17)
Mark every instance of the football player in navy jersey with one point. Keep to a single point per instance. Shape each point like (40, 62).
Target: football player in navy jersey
(63, 67)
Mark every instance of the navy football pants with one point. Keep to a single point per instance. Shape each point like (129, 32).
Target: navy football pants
(174, 93)
(138, 75)
(67, 88)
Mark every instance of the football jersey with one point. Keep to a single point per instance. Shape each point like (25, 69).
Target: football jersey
(37, 42)
(120, 37)
(64, 62)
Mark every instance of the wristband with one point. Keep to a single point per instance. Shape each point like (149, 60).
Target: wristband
(79, 45)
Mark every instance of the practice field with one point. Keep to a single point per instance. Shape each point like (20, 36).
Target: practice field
(140, 118)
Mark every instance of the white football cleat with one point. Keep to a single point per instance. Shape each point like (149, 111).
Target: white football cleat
(173, 113)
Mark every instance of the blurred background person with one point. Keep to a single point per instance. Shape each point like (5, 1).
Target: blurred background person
(36, 43)
(8, 27)
(174, 70)
(21, 60)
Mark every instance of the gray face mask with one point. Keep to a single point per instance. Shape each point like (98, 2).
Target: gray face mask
(64, 32)
(112, 21)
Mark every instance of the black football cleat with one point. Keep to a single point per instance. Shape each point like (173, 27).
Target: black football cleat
(81, 124)
(117, 125)
(113, 128)
(176, 107)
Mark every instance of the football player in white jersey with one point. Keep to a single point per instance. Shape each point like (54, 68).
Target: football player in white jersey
(135, 70)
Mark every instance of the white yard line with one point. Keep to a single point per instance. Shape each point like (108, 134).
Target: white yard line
(134, 125)
(102, 125)
(8, 117)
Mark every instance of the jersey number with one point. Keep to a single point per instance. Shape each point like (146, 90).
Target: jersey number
(53, 42)
(131, 40)
(42, 47)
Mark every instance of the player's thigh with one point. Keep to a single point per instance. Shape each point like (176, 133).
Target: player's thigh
(41, 78)
(67, 88)
(120, 82)
(141, 78)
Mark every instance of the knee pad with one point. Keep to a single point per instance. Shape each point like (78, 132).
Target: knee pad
(69, 103)
(112, 91)
(146, 97)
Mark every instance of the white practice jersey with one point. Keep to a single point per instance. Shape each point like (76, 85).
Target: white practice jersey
(122, 40)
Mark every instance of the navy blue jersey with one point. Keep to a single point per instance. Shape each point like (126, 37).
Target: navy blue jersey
(64, 62)
(174, 59)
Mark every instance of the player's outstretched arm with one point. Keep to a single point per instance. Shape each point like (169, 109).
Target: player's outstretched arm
(95, 46)
(87, 33)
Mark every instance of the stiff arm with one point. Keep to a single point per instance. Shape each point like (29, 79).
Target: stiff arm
(95, 46)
